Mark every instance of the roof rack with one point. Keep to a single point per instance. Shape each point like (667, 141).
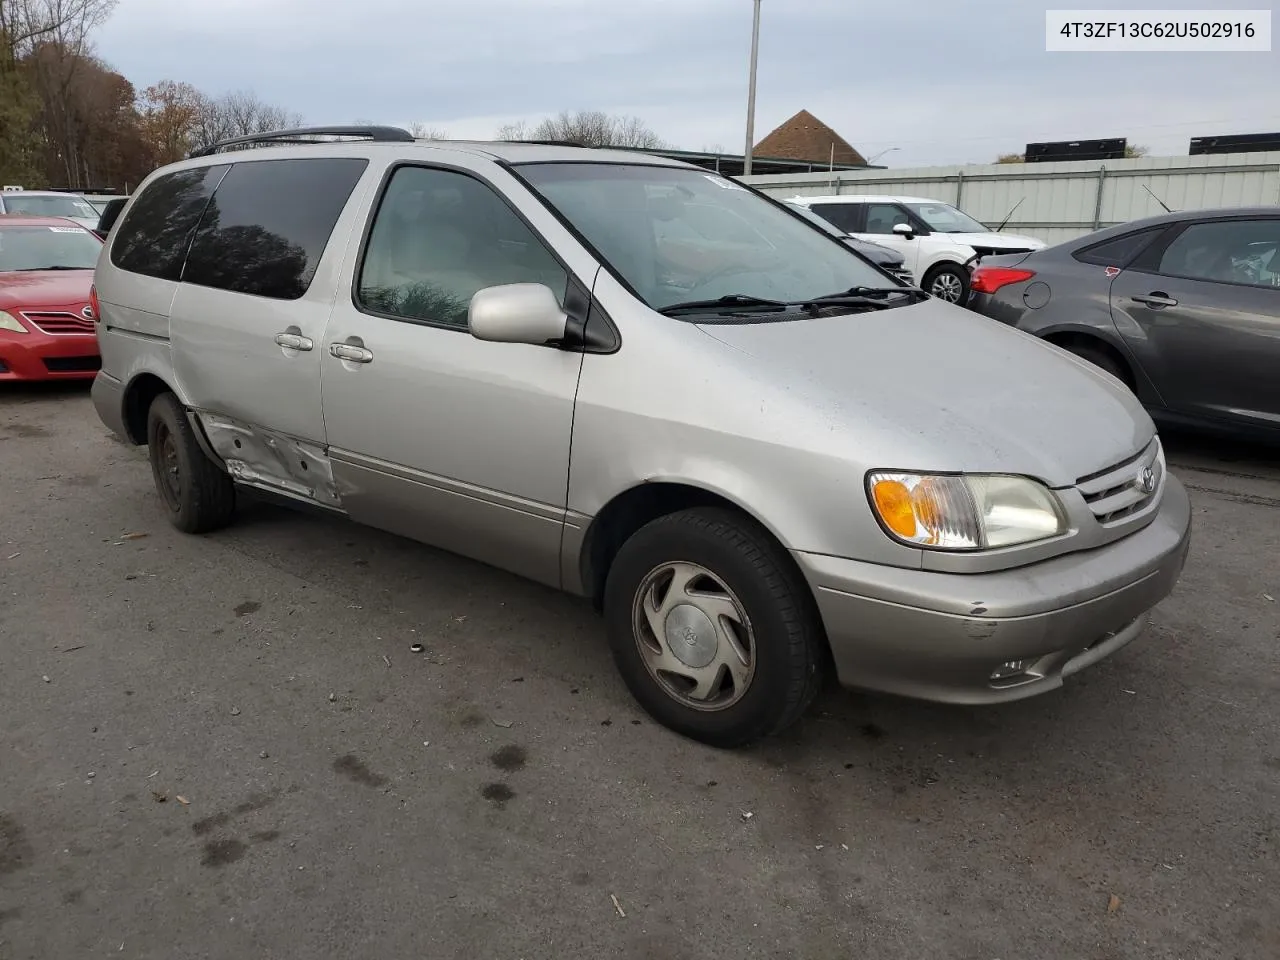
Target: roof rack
(307, 135)
(553, 143)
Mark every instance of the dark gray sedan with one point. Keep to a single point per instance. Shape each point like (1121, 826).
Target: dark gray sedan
(1184, 308)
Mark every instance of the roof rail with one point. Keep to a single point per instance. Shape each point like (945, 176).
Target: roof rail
(553, 143)
(372, 134)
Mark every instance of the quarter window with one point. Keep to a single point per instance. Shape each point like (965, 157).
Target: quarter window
(268, 224)
(154, 237)
(438, 237)
(1227, 251)
(1119, 251)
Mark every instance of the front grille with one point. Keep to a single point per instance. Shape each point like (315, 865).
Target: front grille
(1126, 488)
(73, 364)
(60, 323)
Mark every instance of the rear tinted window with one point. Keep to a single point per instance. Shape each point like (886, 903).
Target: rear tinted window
(843, 215)
(153, 239)
(1119, 251)
(268, 224)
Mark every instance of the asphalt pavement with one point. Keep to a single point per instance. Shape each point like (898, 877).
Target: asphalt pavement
(228, 747)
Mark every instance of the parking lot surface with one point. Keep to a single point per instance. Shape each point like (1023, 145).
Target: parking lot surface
(226, 747)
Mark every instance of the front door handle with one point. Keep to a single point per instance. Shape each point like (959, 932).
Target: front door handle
(347, 351)
(294, 341)
(1157, 300)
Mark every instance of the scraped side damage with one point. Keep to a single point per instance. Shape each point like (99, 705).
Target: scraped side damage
(272, 461)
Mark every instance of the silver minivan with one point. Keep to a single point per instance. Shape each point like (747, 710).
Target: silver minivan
(764, 460)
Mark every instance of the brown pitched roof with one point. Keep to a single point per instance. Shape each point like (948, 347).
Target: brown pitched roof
(805, 137)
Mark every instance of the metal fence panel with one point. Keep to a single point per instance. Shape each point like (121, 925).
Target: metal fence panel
(1063, 200)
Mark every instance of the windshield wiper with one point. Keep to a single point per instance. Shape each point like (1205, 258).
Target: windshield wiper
(56, 266)
(736, 302)
(864, 296)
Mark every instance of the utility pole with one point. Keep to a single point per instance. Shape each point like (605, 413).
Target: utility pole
(751, 92)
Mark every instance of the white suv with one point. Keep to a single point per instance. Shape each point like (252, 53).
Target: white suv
(937, 240)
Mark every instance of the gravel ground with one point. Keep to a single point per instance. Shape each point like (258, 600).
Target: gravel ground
(225, 747)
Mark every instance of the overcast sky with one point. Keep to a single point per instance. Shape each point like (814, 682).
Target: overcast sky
(943, 81)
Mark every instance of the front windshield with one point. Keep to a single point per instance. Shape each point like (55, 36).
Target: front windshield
(44, 205)
(944, 218)
(677, 235)
(47, 248)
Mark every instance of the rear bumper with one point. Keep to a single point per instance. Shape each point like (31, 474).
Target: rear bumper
(108, 400)
(42, 356)
(941, 636)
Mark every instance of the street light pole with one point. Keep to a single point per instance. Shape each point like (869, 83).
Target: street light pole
(751, 92)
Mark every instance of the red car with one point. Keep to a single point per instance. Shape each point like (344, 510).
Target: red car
(47, 325)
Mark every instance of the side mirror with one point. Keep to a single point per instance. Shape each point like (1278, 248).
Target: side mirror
(517, 313)
(904, 230)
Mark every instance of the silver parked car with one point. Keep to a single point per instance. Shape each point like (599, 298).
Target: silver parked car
(759, 460)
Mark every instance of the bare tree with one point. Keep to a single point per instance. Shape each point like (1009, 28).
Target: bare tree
(423, 131)
(591, 128)
(35, 90)
(24, 23)
(238, 114)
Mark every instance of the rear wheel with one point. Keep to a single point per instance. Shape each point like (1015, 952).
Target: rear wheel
(713, 628)
(949, 282)
(1101, 359)
(198, 496)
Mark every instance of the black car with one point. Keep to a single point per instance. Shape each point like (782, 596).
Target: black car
(886, 258)
(1184, 308)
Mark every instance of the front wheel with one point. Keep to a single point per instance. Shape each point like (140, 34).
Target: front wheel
(198, 496)
(713, 628)
(949, 282)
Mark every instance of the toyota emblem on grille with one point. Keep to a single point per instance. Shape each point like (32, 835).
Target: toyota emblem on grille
(1147, 480)
(87, 312)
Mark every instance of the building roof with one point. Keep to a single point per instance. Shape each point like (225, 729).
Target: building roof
(805, 137)
(733, 164)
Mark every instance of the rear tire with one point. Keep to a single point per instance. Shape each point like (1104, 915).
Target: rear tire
(734, 608)
(198, 496)
(949, 282)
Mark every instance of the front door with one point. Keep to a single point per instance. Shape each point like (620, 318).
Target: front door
(433, 434)
(878, 227)
(1201, 313)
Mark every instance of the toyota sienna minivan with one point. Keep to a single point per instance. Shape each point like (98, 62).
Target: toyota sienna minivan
(763, 462)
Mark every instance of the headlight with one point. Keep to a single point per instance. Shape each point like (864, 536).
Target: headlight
(10, 322)
(976, 512)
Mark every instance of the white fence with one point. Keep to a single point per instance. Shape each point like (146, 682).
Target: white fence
(1059, 201)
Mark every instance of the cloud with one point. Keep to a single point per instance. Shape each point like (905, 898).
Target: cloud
(944, 82)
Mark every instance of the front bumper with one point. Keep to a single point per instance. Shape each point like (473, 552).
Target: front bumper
(941, 636)
(42, 356)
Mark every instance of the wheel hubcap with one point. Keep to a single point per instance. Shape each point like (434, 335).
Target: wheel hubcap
(694, 636)
(947, 286)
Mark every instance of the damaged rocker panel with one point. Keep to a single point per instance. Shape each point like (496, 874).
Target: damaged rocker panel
(272, 461)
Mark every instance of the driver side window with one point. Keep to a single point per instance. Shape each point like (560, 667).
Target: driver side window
(882, 217)
(440, 236)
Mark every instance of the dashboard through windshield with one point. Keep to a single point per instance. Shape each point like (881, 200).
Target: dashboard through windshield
(676, 235)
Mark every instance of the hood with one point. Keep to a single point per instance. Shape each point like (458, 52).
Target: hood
(935, 387)
(44, 288)
(876, 252)
(1008, 241)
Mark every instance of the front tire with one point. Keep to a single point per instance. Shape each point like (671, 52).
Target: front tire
(712, 627)
(198, 496)
(949, 282)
